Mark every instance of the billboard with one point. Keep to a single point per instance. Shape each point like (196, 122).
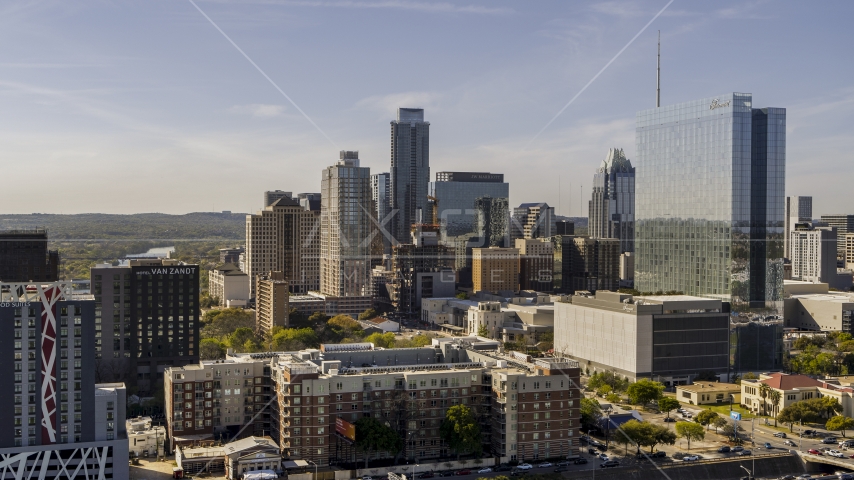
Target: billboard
(345, 429)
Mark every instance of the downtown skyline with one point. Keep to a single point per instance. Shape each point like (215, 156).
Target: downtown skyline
(93, 99)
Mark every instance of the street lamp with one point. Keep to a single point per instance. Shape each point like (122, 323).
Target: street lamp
(607, 426)
(315, 468)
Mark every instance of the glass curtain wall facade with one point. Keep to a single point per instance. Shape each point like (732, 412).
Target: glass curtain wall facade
(456, 196)
(612, 204)
(410, 171)
(710, 200)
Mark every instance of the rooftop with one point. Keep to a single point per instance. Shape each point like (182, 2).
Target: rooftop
(710, 386)
(782, 381)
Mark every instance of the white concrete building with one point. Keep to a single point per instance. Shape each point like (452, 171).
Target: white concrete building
(813, 255)
(670, 338)
(811, 306)
(145, 439)
(229, 285)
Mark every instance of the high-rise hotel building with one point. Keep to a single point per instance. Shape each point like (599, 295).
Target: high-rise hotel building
(798, 210)
(710, 200)
(410, 171)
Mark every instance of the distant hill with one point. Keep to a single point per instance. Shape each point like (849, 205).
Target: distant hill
(140, 226)
(89, 238)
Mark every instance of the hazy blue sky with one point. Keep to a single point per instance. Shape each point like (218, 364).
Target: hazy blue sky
(143, 106)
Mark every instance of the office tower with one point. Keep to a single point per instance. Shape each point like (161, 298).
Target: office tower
(756, 346)
(536, 259)
(309, 201)
(595, 265)
(52, 422)
(565, 255)
(495, 269)
(271, 303)
(456, 193)
(709, 200)
(849, 251)
(410, 171)
(284, 237)
(564, 227)
(612, 207)
(798, 210)
(270, 197)
(380, 191)
(844, 225)
(421, 269)
(813, 253)
(24, 257)
(627, 269)
(347, 229)
(492, 221)
(667, 338)
(532, 220)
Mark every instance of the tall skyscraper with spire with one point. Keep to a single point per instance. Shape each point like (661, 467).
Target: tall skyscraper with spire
(410, 171)
(612, 205)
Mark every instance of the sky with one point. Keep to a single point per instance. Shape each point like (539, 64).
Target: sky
(129, 107)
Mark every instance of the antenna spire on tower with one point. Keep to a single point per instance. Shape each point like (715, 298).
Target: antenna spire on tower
(658, 75)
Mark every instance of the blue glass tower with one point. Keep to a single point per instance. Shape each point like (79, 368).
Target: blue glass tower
(710, 200)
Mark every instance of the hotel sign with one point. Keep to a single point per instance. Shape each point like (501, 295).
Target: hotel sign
(716, 104)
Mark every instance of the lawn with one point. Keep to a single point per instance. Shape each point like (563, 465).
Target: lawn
(723, 410)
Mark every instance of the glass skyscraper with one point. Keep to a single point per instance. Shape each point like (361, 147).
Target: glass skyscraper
(410, 171)
(456, 193)
(710, 200)
(612, 204)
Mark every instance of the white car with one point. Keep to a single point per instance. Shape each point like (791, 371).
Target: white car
(484, 470)
(603, 457)
(524, 466)
(836, 453)
(544, 465)
(367, 477)
(690, 458)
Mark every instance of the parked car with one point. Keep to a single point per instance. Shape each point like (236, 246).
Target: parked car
(517, 473)
(814, 451)
(562, 464)
(524, 466)
(545, 465)
(745, 453)
(502, 468)
(658, 454)
(367, 477)
(724, 449)
(580, 461)
(780, 434)
(426, 475)
(464, 471)
(768, 446)
(609, 464)
(836, 453)
(846, 476)
(737, 448)
(592, 451)
(561, 469)
(807, 433)
(485, 470)
(690, 458)
(829, 440)
(669, 419)
(603, 457)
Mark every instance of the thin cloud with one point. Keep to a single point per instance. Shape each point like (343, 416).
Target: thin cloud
(432, 7)
(388, 104)
(258, 110)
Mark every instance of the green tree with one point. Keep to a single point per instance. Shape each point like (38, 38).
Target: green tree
(719, 423)
(706, 417)
(604, 390)
(339, 327)
(645, 434)
(242, 338)
(384, 340)
(798, 412)
(482, 331)
(590, 412)
(644, 391)
(840, 423)
(613, 398)
(293, 339)
(226, 321)
(372, 436)
(368, 314)
(668, 404)
(764, 390)
(211, 349)
(421, 340)
(690, 431)
(461, 430)
(462, 296)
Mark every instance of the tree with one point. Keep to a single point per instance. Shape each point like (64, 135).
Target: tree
(775, 396)
(728, 429)
(647, 434)
(368, 314)
(211, 349)
(341, 327)
(461, 430)
(764, 390)
(241, 339)
(292, 339)
(604, 390)
(799, 412)
(590, 412)
(644, 391)
(613, 398)
(462, 296)
(668, 404)
(690, 431)
(224, 322)
(384, 340)
(371, 436)
(706, 417)
(482, 331)
(719, 423)
(617, 383)
(840, 423)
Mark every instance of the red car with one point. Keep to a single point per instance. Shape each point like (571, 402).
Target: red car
(814, 451)
(463, 472)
